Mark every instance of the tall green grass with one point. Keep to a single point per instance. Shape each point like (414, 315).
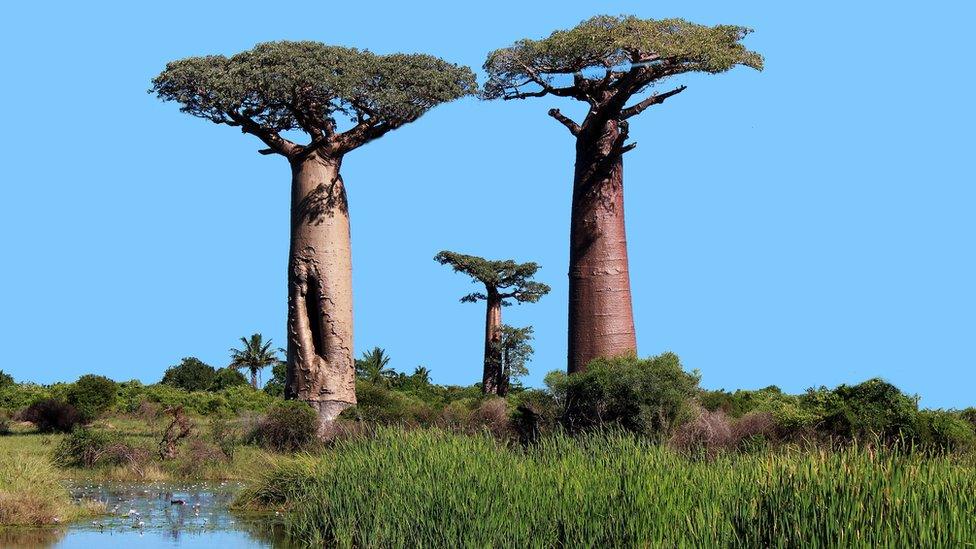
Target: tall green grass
(31, 494)
(429, 488)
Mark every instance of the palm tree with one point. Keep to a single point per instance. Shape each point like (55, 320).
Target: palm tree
(255, 355)
(422, 375)
(372, 367)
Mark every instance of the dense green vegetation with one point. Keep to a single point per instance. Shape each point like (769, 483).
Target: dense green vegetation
(432, 488)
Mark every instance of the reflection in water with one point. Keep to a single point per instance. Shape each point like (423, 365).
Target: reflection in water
(152, 515)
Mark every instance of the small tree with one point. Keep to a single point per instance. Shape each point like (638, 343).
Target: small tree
(504, 281)
(605, 62)
(314, 88)
(515, 353)
(254, 355)
(191, 374)
(92, 395)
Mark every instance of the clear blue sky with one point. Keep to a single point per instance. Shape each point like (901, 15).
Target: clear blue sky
(810, 224)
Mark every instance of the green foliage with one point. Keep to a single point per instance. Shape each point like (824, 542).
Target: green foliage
(872, 408)
(377, 403)
(276, 385)
(21, 395)
(191, 374)
(516, 351)
(424, 488)
(289, 426)
(372, 367)
(226, 378)
(648, 396)
(254, 356)
(92, 395)
(282, 86)
(634, 51)
(943, 430)
(82, 447)
(6, 380)
(504, 279)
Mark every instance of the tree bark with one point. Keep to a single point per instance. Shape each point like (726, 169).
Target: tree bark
(320, 370)
(601, 318)
(254, 379)
(491, 377)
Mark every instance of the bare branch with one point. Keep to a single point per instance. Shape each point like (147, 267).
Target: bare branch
(572, 126)
(654, 99)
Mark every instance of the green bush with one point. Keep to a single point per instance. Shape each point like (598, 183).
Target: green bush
(92, 395)
(647, 396)
(6, 380)
(288, 426)
(82, 447)
(535, 413)
(21, 395)
(276, 385)
(874, 408)
(226, 378)
(378, 404)
(947, 431)
(191, 374)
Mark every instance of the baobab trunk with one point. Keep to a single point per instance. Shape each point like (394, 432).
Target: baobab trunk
(491, 377)
(601, 318)
(321, 370)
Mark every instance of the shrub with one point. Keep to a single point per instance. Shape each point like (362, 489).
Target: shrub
(82, 448)
(703, 437)
(945, 431)
(92, 395)
(225, 436)
(276, 385)
(198, 455)
(4, 424)
(872, 408)
(191, 374)
(226, 378)
(753, 431)
(492, 416)
(6, 380)
(647, 396)
(378, 404)
(289, 426)
(52, 415)
(535, 414)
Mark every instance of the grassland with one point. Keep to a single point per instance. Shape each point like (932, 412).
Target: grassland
(430, 488)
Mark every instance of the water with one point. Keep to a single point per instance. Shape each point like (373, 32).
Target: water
(150, 515)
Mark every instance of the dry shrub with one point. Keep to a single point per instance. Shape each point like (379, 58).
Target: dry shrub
(703, 437)
(456, 416)
(198, 455)
(753, 430)
(492, 415)
(52, 415)
(148, 411)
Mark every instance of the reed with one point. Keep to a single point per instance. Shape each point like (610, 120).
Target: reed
(431, 488)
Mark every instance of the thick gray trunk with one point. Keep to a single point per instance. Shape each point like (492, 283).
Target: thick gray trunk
(321, 370)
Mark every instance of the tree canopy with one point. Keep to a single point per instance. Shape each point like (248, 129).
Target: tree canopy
(606, 60)
(281, 86)
(509, 279)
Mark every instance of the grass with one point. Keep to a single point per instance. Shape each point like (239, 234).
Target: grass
(31, 494)
(430, 488)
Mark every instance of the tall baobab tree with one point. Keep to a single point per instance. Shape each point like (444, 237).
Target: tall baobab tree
(254, 355)
(504, 281)
(342, 98)
(609, 63)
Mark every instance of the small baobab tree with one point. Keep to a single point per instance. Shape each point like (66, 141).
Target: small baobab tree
(342, 98)
(254, 355)
(609, 63)
(504, 282)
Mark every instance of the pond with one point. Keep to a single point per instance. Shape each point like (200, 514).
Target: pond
(151, 515)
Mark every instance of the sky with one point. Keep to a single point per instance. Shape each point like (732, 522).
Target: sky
(811, 224)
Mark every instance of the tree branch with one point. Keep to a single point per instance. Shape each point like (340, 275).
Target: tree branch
(572, 126)
(275, 142)
(654, 99)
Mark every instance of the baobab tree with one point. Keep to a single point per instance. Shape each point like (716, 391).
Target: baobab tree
(609, 63)
(504, 281)
(342, 98)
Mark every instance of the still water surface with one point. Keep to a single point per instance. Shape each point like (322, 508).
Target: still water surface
(153, 515)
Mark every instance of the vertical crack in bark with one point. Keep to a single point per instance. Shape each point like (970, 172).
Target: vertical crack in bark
(313, 314)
